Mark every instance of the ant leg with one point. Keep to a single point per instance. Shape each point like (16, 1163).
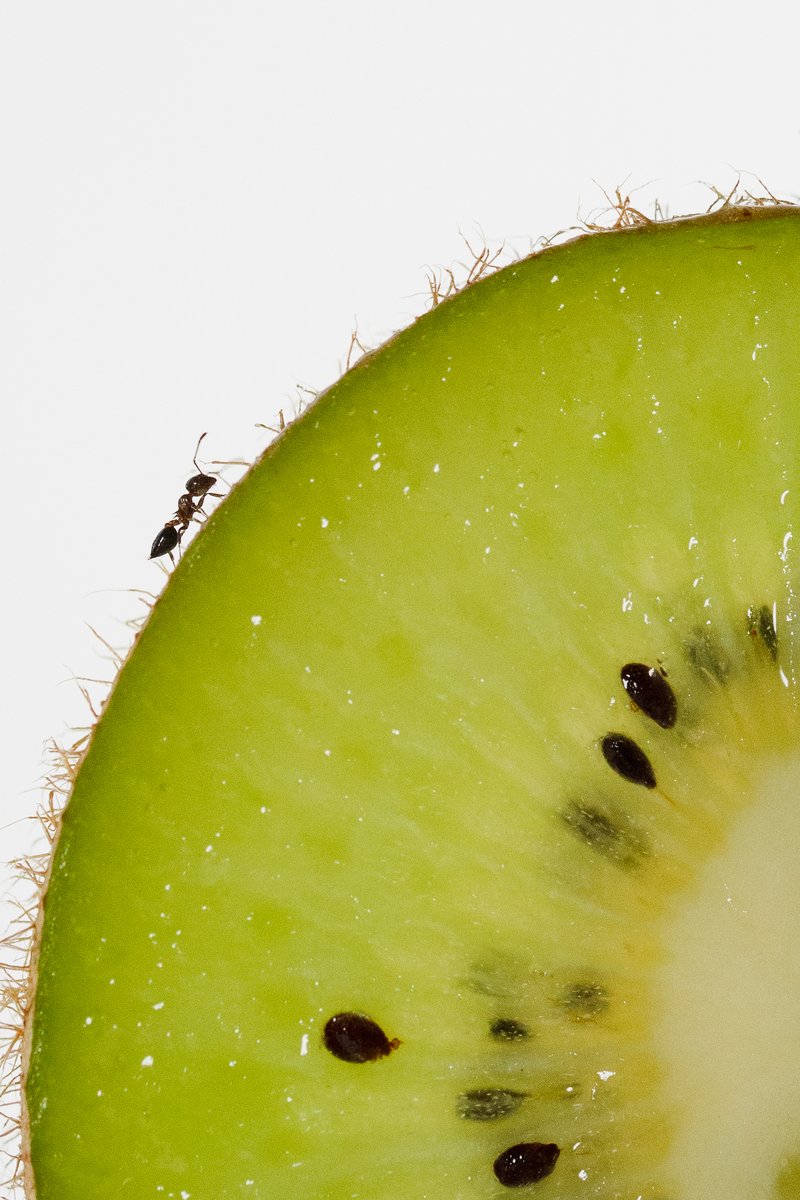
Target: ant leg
(181, 532)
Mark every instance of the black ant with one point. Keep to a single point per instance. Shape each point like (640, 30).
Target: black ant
(189, 505)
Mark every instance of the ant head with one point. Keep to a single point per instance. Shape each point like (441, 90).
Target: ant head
(198, 485)
(165, 543)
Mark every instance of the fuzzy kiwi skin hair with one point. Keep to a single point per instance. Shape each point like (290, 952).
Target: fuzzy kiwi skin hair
(433, 729)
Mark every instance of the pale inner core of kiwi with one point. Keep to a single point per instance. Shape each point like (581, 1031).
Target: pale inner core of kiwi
(728, 1029)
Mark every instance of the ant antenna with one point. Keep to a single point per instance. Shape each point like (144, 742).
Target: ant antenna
(197, 451)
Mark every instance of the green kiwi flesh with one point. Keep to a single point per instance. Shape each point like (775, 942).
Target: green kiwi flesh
(469, 721)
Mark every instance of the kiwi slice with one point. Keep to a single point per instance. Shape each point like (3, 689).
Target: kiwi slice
(440, 838)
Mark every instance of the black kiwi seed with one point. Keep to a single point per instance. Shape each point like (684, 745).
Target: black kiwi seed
(354, 1038)
(625, 845)
(584, 1000)
(761, 627)
(649, 691)
(525, 1163)
(488, 1104)
(628, 760)
(506, 1029)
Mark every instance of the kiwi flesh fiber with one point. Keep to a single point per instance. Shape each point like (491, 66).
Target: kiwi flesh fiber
(440, 838)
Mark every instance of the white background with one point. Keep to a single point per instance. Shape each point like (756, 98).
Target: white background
(201, 201)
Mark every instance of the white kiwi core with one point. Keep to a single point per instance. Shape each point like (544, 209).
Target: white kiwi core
(728, 1027)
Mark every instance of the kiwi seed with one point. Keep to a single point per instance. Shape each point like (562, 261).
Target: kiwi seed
(584, 1000)
(354, 1038)
(628, 759)
(626, 845)
(525, 1163)
(506, 1029)
(650, 692)
(491, 979)
(761, 627)
(488, 1104)
(707, 656)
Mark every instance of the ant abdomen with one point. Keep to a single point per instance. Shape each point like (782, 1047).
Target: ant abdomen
(165, 542)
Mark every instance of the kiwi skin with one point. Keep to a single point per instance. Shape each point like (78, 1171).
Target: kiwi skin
(151, 795)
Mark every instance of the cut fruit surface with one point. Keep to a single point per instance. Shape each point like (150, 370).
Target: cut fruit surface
(438, 838)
